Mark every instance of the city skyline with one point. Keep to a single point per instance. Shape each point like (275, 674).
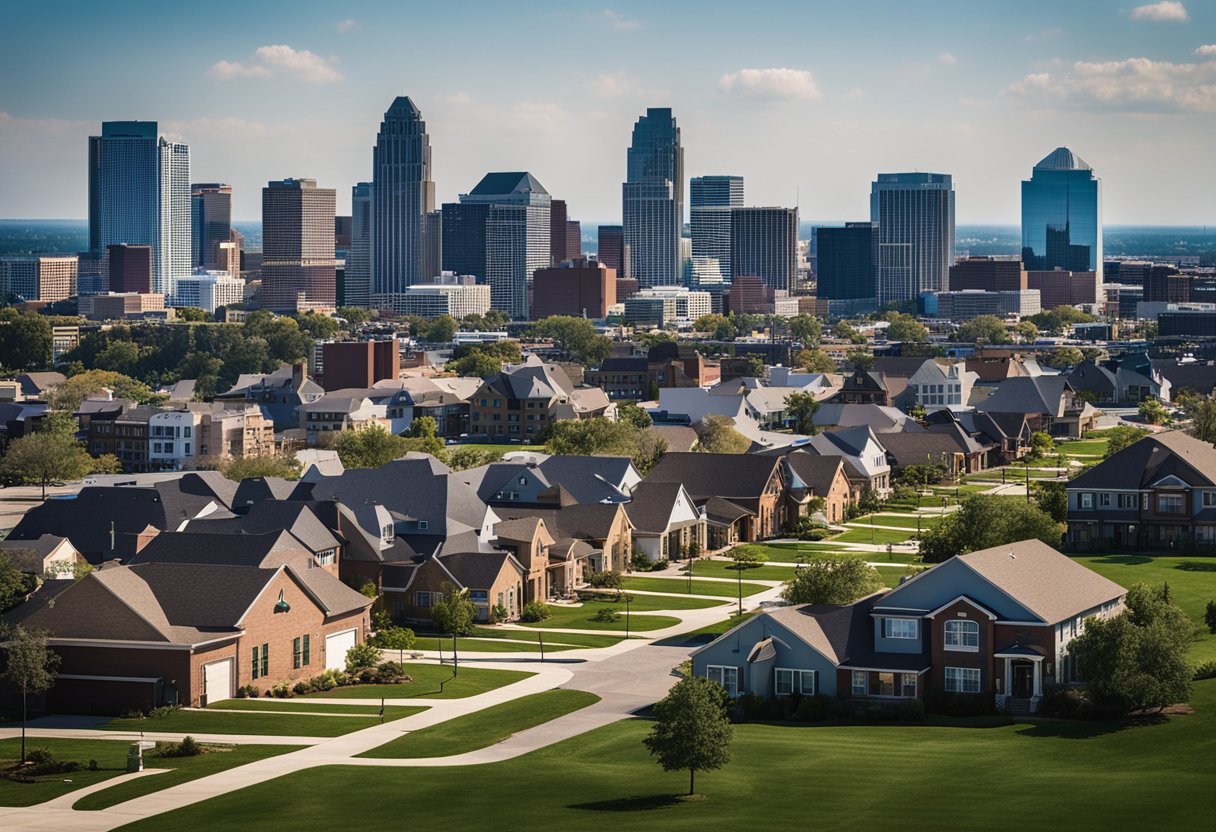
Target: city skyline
(804, 105)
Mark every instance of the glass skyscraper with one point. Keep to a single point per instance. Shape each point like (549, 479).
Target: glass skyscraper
(211, 224)
(710, 200)
(653, 200)
(1062, 215)
(358, 260)
(915, 217)
(402, 195)
(846, 261)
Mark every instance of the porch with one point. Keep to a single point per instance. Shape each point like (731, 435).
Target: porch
(1020, 688)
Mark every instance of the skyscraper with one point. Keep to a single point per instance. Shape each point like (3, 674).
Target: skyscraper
(915, 217)
(764, 244)
(210, 225)
(515, 232)
(710, 200)
(557, 232)
(847, 261)
(130, 268)
(402, 195)
(358, 279)
(653, 200)
(139, 194)
(610, 249)
(1062, 215)
(298, 265)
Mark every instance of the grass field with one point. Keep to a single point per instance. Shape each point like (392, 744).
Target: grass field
(489, 645)
(499, 447)
(1083, 448)
(1192, 584)
(680, 586)
(485, 727)
(722, 568)
(927, 521)
(301, 705)
(791, 552)
(247, 722)
(878, 535)
(583, 617)
(430, 681)
(111, 760)
(1103, 776)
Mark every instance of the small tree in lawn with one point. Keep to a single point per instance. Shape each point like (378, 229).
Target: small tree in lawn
(455, 614)
(1209, 616)
(692, 729)
(745, 557)
(829, 581)
(32, 668)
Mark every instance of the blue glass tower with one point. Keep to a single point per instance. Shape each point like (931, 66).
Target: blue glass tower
(653, 197)
(1062, 215)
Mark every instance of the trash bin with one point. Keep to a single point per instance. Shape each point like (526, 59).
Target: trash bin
(135, 757)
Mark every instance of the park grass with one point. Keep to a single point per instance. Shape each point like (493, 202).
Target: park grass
(582, 617)
(485, 727)
(791, 552)
(430, 681)
(499, 447)
(715, 629)
(302, 706)
(489, 645)
(877, 535)
(725, 568)
(248, 722)
(181, 770)
(1102, 775)
(512, 634)
(927, 521)
(679, 586)
(1192, 583)
(1083, 447)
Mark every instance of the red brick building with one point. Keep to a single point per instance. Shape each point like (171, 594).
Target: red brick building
(580, 287)
(358, 364)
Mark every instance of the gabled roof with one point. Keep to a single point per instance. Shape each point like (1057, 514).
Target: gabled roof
(266, 550)
(258, 489)
(733, 476)
(880, 418)
(589, 521)
(1149, 460)
(723, 512)
(813, 471)
(926, 448)
(30, 556)
(271, 517)
(478, 570)
(679, 438)
(1028, 394)
(589, 479)
(652, 505)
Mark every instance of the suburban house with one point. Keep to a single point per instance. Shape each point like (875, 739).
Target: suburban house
(1157, 493)
(341, 410)
(1123, 381)
(862, 387)
(138, 637)
(46, 556)
(521, 477)
(953, 449)
(998, 622)
(632, 377)
(877, 417)
(752, 483)
(666, 521)
(521, 401)
(279, 393)
(296, 519)
(866, 463)
(1004, 437)
(811, 476)
(1048, 403)
(604, 529)
(493, 579)
(937, 385)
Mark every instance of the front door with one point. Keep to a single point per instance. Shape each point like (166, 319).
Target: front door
(1023, 680)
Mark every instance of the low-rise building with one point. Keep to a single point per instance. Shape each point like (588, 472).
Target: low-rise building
(209, 291)
(521, 401)
(449, 294)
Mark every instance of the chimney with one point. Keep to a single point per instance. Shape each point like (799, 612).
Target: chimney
(299, 374)
(143, 538)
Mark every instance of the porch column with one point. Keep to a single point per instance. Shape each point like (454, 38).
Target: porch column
(1038, 678)
(1005, 683)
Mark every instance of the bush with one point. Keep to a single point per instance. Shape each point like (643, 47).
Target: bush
(534, 611)
(606, 615)
(391, 673)
(282, 690)
(1206, 670)
(1063, 702)
(302, 687)
(93, 765)
(815, 533)
(606, 580)
(240, 692)
(361, 656)
(247, 691)
(393, 637)
(948, 703)
(872, 710)
(500, 613)
(188, 747)
(813, 708)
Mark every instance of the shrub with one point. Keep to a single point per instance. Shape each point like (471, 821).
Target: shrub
(606, 580)
(391, 673)
(361, 657)
(500, 613)
(282, 690)
(92, 765)
(534, 611)
(163, 710)
(813, 709)
(948, 703)
(1205, 670)
(871, 710)
(241, 693)
(247, 691)
(606, 615)
(393, 637)
(302, 687)
(323, 682)
(1063, 702)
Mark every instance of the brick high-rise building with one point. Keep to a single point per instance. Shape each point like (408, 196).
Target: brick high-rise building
(130, 268)
(557, 232)
(990, 274)
(298, 264)
(611, 249)
(580, 287)
(359, 364)
(574, 239)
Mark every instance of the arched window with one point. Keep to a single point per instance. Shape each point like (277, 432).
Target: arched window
(962, 635)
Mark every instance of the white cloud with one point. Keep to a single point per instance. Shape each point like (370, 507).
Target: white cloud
(947, 59)
(619, 22)
(347, 25)
(1169, 11)
(774, 84)
(1208, 50)
(269, 60)
(1134, 84)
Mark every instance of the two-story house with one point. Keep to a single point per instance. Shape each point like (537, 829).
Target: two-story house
(520, 402)
(753, 483)
(1157, 493)
(1048, 403)
(997, 621)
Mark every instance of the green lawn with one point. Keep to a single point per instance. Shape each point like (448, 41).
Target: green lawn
(715, 629)
(1083, 447)
(1018, 776)
(301, 705)
(488, 645)
(500, 447)
(723, 568)
(485, 727)
(680, 585)
(954, 491)
(582, 617)
(926, 520)
(1192, 584)
(430, 681)
(877, 535)
(276, 724)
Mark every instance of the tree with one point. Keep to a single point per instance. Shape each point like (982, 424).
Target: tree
(464, 457)
(191, 314)
(801, 408)
(1209, 616)
(25, 340)
(369, 447)
(44, 457)
(32, 668)
(254, 467)
(575, 336)
(441, 330)
(1137, 660)
(1052, 498)
(717, 326)
(755, 366)
(632, 414)
(483, 360)
(717, 435)
(422, 437)
(591, 437)
(984, 329)
(650, 449)
(985, 521)
(1152, 411)
(1120, 437)
(354, 315)
(907, 328)
(1203, 419)
(807, 329)
(1062, 357)
(832, 581)
(1060, 318)
(1026, 331)
(692, 729)
(454, 613)
(815, 361)
(15, 585)
(861, 360)
(76, 389)
(1041, 444)
(845, 331)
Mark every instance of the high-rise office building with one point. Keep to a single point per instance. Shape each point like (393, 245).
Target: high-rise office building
(915, 217)
(557, 232)
(990, 274)
(432, 249)
(500, 233)
(579, 287)
(710, 200)
(130, 268)
(210, 225)
(847, 261)
(610, 249)
(764, 244)
(402, 195)
(653, 200)
(1062, 215)
(139, 194)
(358, 279)
(40, 277)
(574, 239)
(298, 262)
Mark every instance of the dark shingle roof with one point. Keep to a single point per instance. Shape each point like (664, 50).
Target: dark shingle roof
(267, 550)
(1150, 459)
(817, 472)
(652, 504)
(1027, 394)
(591, 521)
(716, 475)
(273, 516)
(477, 570)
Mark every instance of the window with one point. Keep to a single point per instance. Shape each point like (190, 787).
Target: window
(422, 599)
(307, 657)
(1169, 503)
(859, 683)
(727, 677)
(327, 558)
(424, 524)
(963, 679)
(908, 685)
(1087, 500)
(261, 661)
(297, 653)
(1104, 500)
(794, 681)
(1209, 499)
(899, 628)
(962, 635)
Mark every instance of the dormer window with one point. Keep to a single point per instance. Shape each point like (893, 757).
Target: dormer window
(387, 532)
(423, 524)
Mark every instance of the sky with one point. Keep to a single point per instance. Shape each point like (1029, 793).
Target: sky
(807, 100)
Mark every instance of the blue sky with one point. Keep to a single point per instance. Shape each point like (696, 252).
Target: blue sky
(807, 100)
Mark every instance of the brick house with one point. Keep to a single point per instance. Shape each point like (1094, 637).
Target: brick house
(810, 476)
(491, 578)
(521, 401)
(753, 482)
(996, 622)
(137, 637)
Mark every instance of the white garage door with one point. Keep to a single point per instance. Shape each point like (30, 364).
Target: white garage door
(217, 680)
(336, 646)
